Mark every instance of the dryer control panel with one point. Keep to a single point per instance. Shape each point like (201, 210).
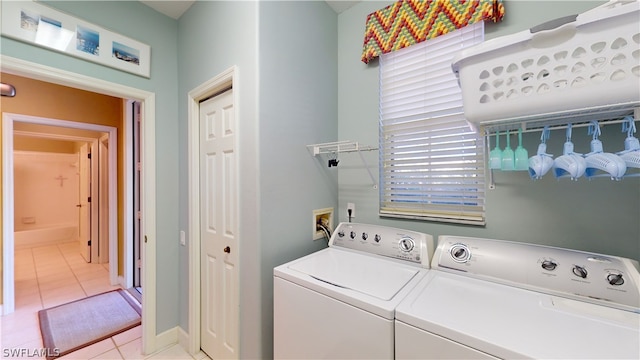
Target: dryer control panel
(386, 241)
(603, 279)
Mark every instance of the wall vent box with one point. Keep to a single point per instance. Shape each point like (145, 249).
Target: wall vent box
(322, 216)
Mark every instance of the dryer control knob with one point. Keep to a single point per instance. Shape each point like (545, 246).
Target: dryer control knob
(580, 271)
(549, 265)
(406, 244)
(460, 253)
(352, 235)
(615, 279)
(341, 233)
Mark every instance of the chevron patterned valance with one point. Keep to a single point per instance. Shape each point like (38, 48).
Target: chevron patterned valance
(408, 22)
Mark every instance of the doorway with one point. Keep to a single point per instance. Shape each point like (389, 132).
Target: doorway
(148, 196)
(134, 124)
(43, 127)
(202, 272)
(53, 194)
(218, 230)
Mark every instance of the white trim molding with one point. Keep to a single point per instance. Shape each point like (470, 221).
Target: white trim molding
(8, 296)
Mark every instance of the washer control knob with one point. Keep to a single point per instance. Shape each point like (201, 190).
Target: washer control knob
(549, 265)
(580, 271)
(406, 244)
(460, 253)
(352, 235)
(365, 236)
(341, 233)
(377, 238)
(615, 279)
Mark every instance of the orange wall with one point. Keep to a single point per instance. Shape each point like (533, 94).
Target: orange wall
(26, 143)
(42, 99)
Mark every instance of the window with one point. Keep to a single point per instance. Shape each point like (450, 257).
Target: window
(431, 160)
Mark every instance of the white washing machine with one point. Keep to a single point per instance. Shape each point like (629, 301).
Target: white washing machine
(487, 298)
(339, 302)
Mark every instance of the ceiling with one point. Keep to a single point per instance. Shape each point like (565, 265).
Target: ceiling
(176, 8)
(173, 9)
(340, 6)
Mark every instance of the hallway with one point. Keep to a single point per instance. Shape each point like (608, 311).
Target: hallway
(52, 275)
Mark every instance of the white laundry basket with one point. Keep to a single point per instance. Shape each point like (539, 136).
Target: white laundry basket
(581, 61)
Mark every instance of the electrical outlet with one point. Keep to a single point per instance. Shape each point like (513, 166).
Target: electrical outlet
(324, 217)
(351, 211)
(183, 240)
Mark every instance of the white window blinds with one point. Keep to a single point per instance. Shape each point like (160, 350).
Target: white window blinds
(431, 160)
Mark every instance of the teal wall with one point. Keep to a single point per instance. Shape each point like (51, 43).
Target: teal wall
(599, 215)
(135, 20)
(286, 56)
(301, 82)
(298, 106)
(212, 37)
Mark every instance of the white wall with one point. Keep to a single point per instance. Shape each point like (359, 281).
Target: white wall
(40, 200)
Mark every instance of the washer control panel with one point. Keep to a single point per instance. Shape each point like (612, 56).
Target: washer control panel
(395, 243)
(604, 279)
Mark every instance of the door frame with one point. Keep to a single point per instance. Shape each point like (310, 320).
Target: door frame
(105, 164)
(41, 72)
(108, 243)
(8, 120)
(222, 81)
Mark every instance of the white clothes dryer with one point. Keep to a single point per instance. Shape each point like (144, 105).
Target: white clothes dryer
(487, 298)
(339, 302)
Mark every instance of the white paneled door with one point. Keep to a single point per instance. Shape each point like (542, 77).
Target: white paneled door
(219, 228)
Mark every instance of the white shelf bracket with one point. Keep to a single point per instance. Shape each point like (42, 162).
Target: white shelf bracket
(373, 180)
(345, 147)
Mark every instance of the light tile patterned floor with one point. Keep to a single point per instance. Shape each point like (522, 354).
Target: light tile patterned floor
(53, 275)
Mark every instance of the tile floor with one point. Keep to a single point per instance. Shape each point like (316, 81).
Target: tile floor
(56, 274)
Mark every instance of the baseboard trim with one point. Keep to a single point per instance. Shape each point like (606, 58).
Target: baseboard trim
(167, 338)
(183, 339)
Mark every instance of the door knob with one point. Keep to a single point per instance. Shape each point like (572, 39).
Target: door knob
(227, 250)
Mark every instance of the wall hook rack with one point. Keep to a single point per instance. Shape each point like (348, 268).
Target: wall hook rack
(345, 146)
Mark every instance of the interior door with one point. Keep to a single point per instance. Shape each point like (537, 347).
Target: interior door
(137, 190)
(84, 213)
(103, 200)
(218, 228)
